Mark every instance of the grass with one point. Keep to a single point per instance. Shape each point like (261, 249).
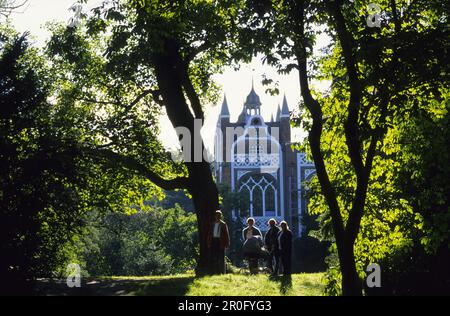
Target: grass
(257, 285)
(305, 284)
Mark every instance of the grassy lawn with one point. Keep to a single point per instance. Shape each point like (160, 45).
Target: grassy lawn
(188, 285)
(258, 285)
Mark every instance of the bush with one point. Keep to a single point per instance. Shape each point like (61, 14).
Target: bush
(309, 255)
(152, 241)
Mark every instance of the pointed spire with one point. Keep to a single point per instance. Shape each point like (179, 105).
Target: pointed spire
(278, 113)
(272, 119)
(225, 112)
(253, 99)
(285, 111)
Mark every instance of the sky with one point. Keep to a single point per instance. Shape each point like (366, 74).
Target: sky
(235, 84)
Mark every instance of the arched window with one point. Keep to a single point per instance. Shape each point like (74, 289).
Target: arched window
(261, 193)
(244, 201)
(257, 203)
(270, 201)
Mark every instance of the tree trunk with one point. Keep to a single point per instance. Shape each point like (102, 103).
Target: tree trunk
(351, 283)
(201, 184)
(205, 197)
(344, 237)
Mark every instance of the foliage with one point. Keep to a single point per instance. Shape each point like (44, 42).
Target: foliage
(153, 241)
(423, 178)
(79, 134)
(127, 61)
(39, 202)
(171, 198)
(106, 67)
(423, 182)
(377, 76)
(406, 219)
(308, 255)
(10, 6)
(47, 184)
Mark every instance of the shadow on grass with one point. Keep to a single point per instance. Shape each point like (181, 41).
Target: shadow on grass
(285, 283)
(167, 287)
(118, 287)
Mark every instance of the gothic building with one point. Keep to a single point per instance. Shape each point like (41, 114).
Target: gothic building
(254, 157)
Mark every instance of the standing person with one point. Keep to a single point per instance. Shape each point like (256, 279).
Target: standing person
(271, 242)
(218, 242)
(250, 230)
(284, 239)
(252, 245)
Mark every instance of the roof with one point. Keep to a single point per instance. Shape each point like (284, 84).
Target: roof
(253, 99)
(285, 110)
(224, 112)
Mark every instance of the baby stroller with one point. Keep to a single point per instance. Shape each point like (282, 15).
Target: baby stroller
(253, 251)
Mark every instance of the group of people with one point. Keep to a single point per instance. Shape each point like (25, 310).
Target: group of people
(276, 247)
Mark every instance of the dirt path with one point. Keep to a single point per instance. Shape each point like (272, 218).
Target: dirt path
(117, 287)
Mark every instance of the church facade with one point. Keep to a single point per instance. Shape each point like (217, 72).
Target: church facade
(255, 158)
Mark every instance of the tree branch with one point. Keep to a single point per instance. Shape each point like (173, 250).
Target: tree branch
(181, 70)
(315, 134)
(134, 164)
(98, 101)
(197, 50)
(8, 8)
(192, 94)
(351, 126)
(397, 23)
(154, 93)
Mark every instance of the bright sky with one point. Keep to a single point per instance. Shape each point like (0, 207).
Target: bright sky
(236, 84)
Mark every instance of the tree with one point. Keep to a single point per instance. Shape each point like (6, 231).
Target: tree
(423, 182)
(30, 168)
(46, 184)
(404, 228)
(373, 72)
(130, 60)
(152, 241)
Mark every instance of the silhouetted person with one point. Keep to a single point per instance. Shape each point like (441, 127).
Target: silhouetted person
(248, 235)
(250, 230)
(284, 239)
(218, 242)
(270, 240)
